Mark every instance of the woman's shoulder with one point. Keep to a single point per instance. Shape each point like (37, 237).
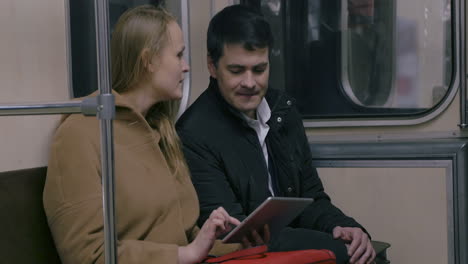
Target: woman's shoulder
(77, 127)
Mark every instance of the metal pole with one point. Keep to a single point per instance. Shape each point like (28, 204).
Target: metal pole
(106, 114)
(89, 106)
(184, 23)
(41, 108)
(462, 54)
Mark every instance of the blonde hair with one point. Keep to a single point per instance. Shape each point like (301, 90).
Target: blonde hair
(139, 34)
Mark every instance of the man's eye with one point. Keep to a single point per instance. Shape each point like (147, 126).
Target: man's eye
(235, 71)
(259, 70)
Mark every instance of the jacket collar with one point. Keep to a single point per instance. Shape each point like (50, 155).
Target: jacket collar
(124, 111)
(213, 89)
(280, 104)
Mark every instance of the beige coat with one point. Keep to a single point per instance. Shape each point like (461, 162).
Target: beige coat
(155, 212)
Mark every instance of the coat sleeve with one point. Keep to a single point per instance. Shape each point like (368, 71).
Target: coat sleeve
(219, 248)
(321, 214)
(209, 178)
(73, 205)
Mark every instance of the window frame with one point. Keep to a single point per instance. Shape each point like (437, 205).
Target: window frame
(457, 44)
(81, 49)
(412, 119)
(346, 86)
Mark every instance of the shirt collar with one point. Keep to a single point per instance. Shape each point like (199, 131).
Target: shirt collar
(263, 113)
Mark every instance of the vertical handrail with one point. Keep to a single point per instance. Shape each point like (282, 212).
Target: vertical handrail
(106, 115)
(463, 74)
(184, 23)
(104, 107)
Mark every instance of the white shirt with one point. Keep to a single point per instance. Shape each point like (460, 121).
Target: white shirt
(261, 127)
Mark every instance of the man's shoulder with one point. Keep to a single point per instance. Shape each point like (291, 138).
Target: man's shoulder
(203, 117)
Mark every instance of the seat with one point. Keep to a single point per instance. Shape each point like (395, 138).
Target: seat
(26, 237)
(381, 252)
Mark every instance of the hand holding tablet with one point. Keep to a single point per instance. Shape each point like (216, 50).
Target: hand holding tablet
(276, 212)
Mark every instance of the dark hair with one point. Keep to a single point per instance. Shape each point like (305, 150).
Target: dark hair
(237, 24)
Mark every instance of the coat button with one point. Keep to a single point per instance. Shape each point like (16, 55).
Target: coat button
(289, 102)
(279, 119)
(290, 189)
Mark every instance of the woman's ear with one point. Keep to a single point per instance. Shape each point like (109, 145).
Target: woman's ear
(148, 60)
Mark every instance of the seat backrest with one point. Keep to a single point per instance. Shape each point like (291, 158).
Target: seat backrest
(24, 234)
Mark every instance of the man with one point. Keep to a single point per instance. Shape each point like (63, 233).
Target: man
(244, 142)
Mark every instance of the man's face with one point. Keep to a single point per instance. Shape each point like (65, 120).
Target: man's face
(242, 77)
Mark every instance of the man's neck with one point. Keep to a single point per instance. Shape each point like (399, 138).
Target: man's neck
(261, 114)
(251, 114)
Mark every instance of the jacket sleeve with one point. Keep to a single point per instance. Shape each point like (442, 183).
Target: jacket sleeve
(209, 178)
(73, 205)
(321, 214)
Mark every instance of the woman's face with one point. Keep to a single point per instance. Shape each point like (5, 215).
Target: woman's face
(169, 66)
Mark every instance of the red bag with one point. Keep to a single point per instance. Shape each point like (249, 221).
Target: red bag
(259, 255)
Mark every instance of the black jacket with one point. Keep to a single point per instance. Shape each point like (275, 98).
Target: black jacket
(228, 167)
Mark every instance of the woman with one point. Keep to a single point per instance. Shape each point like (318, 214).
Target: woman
(156, 204)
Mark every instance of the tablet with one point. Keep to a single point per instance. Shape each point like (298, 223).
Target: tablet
(277, 212)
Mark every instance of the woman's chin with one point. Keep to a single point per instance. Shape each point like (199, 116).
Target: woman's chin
(178, 95)
(175, 97)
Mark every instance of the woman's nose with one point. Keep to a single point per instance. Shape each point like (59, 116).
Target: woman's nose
(185, 66)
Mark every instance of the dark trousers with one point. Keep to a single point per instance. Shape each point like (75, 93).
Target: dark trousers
(299, 238)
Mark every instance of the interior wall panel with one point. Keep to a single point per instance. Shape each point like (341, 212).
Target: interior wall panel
(33, 55)
(406, 207)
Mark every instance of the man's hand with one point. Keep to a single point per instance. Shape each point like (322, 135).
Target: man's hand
(255, 239)
(358, 244)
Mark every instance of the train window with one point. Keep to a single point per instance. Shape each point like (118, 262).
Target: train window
(83, 40)
(361, 58)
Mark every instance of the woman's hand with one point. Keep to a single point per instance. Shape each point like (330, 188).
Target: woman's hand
(218, 224)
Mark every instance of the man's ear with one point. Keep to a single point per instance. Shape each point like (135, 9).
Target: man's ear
(211, 66)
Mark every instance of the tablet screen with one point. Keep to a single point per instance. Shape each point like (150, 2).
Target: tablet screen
(277, 212)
